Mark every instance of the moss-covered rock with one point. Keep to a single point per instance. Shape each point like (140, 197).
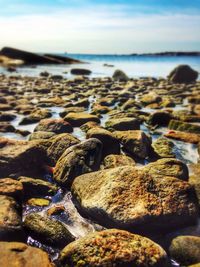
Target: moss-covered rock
(113, 161)
(119, 75)
(78, 159)
(129, 198)
(41, 135)
(15, 254)
(184, 126)
(78, 119)
(135, 142)
(12, 188)
(185, 249)
(160, 118)
(47, 230)
(168, 167)
(113, 248)
(41, 202)
(163, 148)
(57, 126)
(194, 178)
(183, 136)
(36, 116)
(123, 124)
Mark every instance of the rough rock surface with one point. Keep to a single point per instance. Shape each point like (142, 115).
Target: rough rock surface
(119, 75)
(113, 248)
(12, 188)
(123, 124)
(57, 126)
(78, 119)
(78, 159)
(47, 230)
(128, 198)
(185, 249)
(113, 161)
(183, 74)
(15, 254)
(163, 148)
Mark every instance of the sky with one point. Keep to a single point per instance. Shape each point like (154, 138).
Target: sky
(100, 26)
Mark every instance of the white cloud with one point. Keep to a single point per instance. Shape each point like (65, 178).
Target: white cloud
(100, 30)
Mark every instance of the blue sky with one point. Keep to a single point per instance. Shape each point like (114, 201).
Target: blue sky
(112, 26)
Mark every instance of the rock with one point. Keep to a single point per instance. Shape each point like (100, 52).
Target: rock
(129, 198)
(20, 157)
(78, 159)
(135, 142)
(119, 75)
(185, 249)
(47, 230)
(78, 119)
(10, 219)
(123, 124)
(5, 116)
(41, 202)
(41, 135)
(160, 118)
(35, 116)
(80, 72)
(89, 125)
(168, 167)
(55, 210)
(183, 74)
(150, 98)
(59, 144)
(44, 74)
(56, 77)
(113, 248)
(111, 144)
(57, 126)
(184, 126)
(163, 148)
(183, 136)
(82, 103)
(12, 188)
(194, 178)
(6, 127)
(71, 109)
(36, 187)
(15, 254)
(195, 265)
(113, 161)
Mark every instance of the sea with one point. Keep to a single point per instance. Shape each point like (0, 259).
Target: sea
(134, 66)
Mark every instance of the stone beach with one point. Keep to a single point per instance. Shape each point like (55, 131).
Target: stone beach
(100, 171)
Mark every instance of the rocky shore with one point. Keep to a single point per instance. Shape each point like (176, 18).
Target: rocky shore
(101, 171)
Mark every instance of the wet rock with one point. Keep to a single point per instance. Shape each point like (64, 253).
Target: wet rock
(44, 74)
(5, 116)
(41, 135)
(183, 136)
(89, 125)
(10, 219)
(160, 118)
(184, 126)
(163, 148)
(37, 187)
(111, 144)
(194, 178)
(135, 142)
(113, 248)
(78, 119)
(47, 230)
(129, 198)
(185, 249)
(113, 161)
(168, 167)
(183, 74)
(71, 109)
(54, 125)
(12, 188)
(82, 103)
(150, 98)
(80, 72)
(41, 202)
(56, 210)
(56, 77)
(123, 124)
(36, 116)
(20, 157)
(76, 160)
(100, 109)
(22, 132)
(14, 254)
(119, 75)
(6, 127)
(5, 107)
(59, 144)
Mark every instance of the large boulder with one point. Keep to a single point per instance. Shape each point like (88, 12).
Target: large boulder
(129, 198)
(21, 157)
(78, 159)
(57, 126)
(136, 142)
(119, 75)
(110, 143)
(10, 219)
(15, 254)
(183, 74)
(113, 248)
(185, 250)
(47, 230)
(78, 119)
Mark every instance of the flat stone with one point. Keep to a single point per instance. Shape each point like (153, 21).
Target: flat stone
(78, 119)
(57, 126)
